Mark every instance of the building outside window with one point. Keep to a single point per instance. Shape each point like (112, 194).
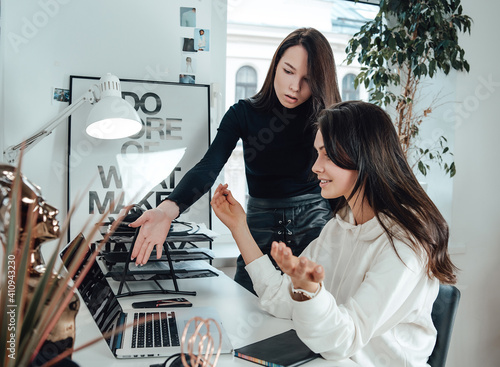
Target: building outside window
(349, 93)
(246, 82)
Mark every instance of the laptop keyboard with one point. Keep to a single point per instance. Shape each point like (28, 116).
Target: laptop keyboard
(154, 329)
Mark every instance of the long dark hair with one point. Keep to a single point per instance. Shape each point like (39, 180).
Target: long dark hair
(321, 70)
(360, 136)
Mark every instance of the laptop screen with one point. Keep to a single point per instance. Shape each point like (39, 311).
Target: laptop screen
(95, 290)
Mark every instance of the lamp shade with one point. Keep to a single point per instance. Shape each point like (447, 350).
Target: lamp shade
(111, 116)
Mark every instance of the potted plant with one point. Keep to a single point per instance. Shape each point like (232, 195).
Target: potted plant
(37, 300)
(405, 43)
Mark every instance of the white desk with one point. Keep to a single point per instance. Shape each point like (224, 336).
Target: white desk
(241, 316)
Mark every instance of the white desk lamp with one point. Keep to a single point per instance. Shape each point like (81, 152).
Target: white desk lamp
(111, 117)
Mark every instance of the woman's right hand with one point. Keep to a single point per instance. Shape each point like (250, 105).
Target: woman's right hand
(155, 224)
(227, 208)
(304, 273)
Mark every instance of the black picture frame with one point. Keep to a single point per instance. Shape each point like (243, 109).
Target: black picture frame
(175, 116)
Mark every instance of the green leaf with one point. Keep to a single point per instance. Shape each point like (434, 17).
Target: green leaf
(453, 170)
(423, 69)
(466, 66)
(422, 168)
(380, 60)
(364, 42)
(432, 67)
(378, 95)
(392, 43)
(401, 57)
(420, 48)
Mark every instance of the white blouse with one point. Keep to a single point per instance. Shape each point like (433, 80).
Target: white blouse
(374, 307)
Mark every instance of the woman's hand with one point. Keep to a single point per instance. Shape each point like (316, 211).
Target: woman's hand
(227, 208)
(155, 224)
(231, 213)
(305, 274)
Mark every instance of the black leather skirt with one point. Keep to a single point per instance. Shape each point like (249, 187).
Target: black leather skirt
(295, 221)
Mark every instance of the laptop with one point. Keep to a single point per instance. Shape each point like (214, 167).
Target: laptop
(154, 332)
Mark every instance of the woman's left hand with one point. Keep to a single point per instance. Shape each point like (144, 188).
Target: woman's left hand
(305, 274)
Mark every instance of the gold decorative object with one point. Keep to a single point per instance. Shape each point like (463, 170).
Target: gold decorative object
(45, 226)
(37, 224)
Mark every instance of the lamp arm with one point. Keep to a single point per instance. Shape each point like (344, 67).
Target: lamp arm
(11, 154)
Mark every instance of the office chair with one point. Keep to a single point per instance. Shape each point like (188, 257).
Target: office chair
(443, 317)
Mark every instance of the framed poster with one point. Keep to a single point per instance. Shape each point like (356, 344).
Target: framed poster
(142, 169)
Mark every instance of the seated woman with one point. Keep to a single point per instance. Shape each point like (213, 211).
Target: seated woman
(364, 289)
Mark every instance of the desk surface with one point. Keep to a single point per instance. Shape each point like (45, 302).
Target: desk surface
(241, 316)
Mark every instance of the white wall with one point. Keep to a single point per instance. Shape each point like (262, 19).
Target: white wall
(44, 42)
(476, 198)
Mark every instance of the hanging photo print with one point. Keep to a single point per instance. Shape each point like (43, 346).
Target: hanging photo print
(202, 39)
(188, 17)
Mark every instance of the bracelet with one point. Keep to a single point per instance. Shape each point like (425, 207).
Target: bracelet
(303, 294)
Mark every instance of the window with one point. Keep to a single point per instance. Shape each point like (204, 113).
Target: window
(246, 82)
(349, 93)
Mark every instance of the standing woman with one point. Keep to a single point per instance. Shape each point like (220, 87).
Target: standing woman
(276, 127)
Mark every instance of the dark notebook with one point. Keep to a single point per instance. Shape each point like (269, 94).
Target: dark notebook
(282, 350)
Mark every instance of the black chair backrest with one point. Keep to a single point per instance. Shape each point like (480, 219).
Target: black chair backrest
(443, 317)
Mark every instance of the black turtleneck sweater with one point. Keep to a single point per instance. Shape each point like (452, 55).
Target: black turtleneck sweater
(278, 151)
